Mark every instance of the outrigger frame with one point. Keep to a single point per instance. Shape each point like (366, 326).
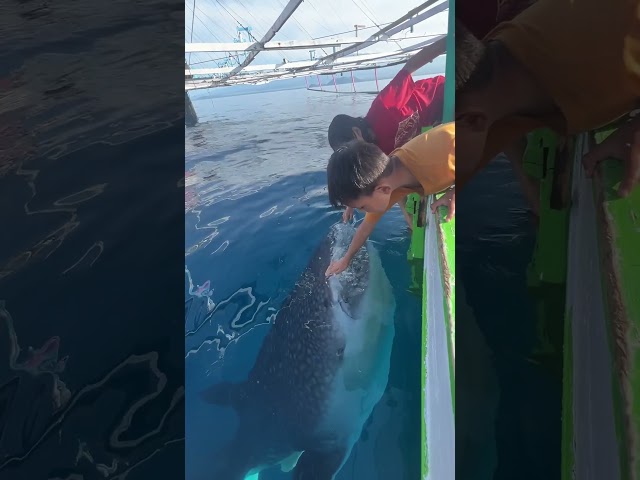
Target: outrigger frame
(336, 62)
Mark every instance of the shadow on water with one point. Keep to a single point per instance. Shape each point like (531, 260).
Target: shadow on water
(89, 180)
(522, 328)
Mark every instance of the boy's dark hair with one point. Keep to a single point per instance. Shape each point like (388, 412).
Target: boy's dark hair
(476, 61)
(354, 170)
(340, 130)
(472, 62)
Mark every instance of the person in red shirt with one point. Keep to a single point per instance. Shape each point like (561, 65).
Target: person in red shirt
(398, 113)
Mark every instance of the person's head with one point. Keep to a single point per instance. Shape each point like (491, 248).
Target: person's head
(344, 128)
(481, 98)
(357, 176)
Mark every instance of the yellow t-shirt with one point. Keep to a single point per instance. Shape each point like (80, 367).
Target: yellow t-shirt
(431, 158)
(574, 48)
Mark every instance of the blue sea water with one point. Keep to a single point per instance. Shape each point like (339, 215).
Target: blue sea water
(522, 328)
(256, 209)
(91, 371)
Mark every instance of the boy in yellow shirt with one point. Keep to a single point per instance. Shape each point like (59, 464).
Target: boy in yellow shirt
(558, 64)
(360, 175)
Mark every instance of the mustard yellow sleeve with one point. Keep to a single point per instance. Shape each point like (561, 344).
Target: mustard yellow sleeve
(434, 161)
(573, 50)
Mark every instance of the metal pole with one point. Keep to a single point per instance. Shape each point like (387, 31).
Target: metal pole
(356, 27)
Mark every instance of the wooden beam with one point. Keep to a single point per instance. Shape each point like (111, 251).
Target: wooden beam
(283, 45)
(308, 63)
(402, 23)
(198, 84)
(269, 46)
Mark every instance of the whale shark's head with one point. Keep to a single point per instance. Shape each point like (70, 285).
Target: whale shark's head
(349, 287)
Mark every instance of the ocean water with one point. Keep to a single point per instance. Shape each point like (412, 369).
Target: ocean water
(521, 328)
(256, 209)
(90, 188)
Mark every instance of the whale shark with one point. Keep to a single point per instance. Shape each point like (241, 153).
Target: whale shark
(320, 371)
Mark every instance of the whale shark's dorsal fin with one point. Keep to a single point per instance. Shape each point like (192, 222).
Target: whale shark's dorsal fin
(319, 465)
(224, 394)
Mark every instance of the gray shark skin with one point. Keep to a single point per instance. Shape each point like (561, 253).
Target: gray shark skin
(320, 371)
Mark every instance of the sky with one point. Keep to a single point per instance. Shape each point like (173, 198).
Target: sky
(217, 21)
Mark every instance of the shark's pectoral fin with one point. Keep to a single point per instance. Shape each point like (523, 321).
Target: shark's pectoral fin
(319, 465)
(290, 462)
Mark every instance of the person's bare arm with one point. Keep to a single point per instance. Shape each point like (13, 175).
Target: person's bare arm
(624, 144)
(426, 55)
(515, 155)
(359, 239)
(403, 207)
(447, 200)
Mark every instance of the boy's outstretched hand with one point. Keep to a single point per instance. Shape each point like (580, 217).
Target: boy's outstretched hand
(347, 215)
(337, 267)
(625, 145)
(447, 200)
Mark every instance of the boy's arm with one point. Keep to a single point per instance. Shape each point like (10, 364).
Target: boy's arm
(399, 90)
(426, 55)
(362, 233)
(447, 200)
(359, 239)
